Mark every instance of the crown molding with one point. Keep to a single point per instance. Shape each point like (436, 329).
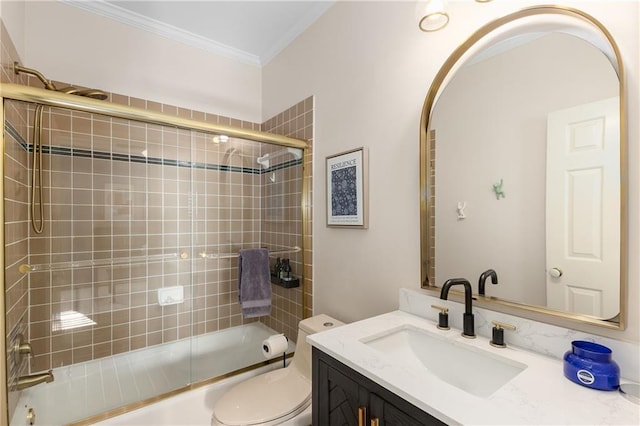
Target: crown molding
(111, 11)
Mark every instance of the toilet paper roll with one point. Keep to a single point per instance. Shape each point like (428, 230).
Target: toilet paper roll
(274, 346)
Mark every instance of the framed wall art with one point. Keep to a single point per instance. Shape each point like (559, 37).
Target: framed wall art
(348, 189)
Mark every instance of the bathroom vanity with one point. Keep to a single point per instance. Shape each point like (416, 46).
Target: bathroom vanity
(344, 396)
(399, 368)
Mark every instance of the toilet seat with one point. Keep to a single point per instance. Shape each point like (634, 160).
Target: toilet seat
(270, 398)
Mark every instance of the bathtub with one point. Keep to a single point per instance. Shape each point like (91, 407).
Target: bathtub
(194, 408)
(84, 390)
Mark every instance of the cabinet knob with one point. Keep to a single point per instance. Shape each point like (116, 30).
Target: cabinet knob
(375, 421)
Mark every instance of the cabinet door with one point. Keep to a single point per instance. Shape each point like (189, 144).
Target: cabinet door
(338, 398)
(340, 394)
(388, 414)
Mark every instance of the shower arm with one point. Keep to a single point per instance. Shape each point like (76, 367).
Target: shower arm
(17, 69)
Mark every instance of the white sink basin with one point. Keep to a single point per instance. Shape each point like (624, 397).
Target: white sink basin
(466, 367)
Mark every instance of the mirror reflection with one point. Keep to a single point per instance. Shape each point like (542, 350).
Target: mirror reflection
(525, 155)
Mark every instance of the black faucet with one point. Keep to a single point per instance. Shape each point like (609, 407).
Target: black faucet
(483, 278)
(467, 318)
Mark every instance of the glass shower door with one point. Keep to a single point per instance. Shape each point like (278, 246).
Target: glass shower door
(102, 294)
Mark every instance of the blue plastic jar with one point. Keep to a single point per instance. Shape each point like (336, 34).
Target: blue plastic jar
(589, 364)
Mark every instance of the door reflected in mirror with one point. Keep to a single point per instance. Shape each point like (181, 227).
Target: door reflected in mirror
(525, 137)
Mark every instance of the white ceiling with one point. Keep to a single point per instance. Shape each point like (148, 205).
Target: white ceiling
(252, 32)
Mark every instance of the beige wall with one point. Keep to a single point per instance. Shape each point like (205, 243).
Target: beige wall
(69, 44)
(369, 69)
(12, 13)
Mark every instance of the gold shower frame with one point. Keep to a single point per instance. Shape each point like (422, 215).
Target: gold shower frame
(78, 103)
(539, 313)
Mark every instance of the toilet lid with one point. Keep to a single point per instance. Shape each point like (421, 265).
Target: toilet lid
(264, 398)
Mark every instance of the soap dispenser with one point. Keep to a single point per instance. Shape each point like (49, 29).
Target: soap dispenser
(497, 334)
(443, 317)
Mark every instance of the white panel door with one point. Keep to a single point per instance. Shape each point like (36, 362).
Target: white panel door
(583, 209)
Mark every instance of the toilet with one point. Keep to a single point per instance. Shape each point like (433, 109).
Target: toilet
(277, 396)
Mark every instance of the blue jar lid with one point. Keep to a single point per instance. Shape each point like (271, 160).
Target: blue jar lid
(591, 350)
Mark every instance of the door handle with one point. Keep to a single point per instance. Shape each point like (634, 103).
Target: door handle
(555, 272)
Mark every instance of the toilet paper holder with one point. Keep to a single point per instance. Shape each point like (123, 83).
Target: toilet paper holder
(276, 340)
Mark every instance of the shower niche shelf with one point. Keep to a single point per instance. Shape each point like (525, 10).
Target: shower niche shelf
(290, 283)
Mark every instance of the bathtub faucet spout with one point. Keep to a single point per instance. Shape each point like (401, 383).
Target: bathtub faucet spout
(25, 382)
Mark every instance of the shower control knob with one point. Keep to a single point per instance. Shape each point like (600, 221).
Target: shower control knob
(21, 348)
(555, 272)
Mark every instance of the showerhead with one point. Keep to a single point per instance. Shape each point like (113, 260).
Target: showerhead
(93, 94)
(89, 93)
(68, 90)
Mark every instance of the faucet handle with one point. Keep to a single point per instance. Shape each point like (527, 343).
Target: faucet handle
(442, 309)
(20, 348)
(497, 334)
(443, 317)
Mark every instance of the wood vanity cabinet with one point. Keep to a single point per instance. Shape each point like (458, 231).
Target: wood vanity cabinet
(342, 396)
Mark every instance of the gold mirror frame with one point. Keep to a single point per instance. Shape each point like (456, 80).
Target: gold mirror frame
(427, 246)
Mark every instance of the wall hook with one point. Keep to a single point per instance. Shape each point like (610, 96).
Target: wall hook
(497, 188)
(460, 209)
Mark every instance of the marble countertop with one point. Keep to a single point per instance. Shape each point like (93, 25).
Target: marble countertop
(538, 395)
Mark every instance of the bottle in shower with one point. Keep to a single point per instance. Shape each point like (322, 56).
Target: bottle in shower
(286, 270)
(277, 267)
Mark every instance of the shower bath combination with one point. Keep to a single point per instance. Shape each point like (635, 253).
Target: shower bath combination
(118, 189)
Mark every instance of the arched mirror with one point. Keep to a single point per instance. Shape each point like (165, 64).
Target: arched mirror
(523, 167)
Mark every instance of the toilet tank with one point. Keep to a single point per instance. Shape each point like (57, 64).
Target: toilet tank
(318, 323)
(315, 324)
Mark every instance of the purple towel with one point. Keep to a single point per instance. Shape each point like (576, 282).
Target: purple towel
(254, 282)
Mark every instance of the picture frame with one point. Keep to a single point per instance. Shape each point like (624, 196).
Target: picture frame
(348, 189)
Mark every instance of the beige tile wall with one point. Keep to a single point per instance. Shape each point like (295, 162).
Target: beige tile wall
(120, 208)
(296, 122)
(103, 203)
(15, 218)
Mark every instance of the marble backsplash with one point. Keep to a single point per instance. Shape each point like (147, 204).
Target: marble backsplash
(545, 339)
